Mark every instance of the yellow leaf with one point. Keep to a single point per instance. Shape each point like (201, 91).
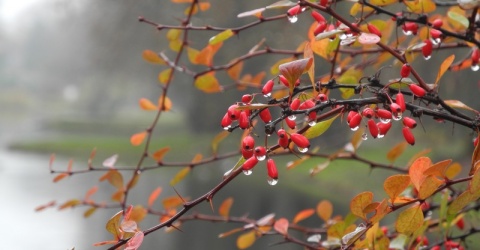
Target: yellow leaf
(395, 185)
(302, 215)
(409, 220)
(224, 209)
(172, 202)
(444, 67)
(246, 240)
(164, 76)
(182, 1)
(462, 201)
(166, 105)
(138, 213)
(138, 138)
(113, 224)
(152, 57)
(453, 170)
(173, 34)
(220, 37)
(197, 158)
(217, 139)
(175, 45)
(429, 186)
(359, 202)
(383, 2)
(154, 195)
(208, 83)
(70, 203)
(235, 70)
(421, 6)
(281, 226)
(146, 104)
(180, 176)
(325, 210)
(474, 184)
(192, 54)
(320, 48)
(89, 212)
(159, 154)
(396, 151)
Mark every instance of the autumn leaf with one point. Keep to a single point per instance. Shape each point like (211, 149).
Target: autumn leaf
(246, 240)
(146, 104)
(302, 215)
(319, 128)
(180, 175)
(205, 56)
(89, 212)
(409, 220)
(159, 154)
(208, 83)
(308, 53)
(165, 103)
(217, 139)
(462, 201)
(395, 185)
(152, 57)
(222, 36)
(164, 76)
(90, 192)
(429, 186)
(138, 138)
(153, 196)
(59, 177)
(324, 210)
(460, 105)
(135, 242)
(69, 203)
(224, 209)
(294, 69)
(444, 67)
(172, 202)
(255, 12)
(235, 70)
(359, 202)
(281, 226)
(417, 169)
(396, 151)
(438, 169)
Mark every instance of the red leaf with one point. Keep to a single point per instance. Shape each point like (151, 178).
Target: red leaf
(135, 242)
(154, 195)
(293, 70)
(304, 214)
(281, 226)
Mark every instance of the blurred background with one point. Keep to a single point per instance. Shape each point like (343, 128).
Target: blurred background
(71, 74)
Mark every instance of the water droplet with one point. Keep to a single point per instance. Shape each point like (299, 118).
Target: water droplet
(475, 67)
(397, 116)
(268, 95)
(312, 123)
(427, 57)
(302, 150)
(261, 157)
(380, 135)
(343, 36)
(290, 164)
(292, 117)
(304, 8)
(227, 127)
(364, 136)
(227, 173)
(407, 33)
(272, 182)
(269, 135)
(247, 172)
(436, 41)
(355, 128)
(293, 19)
(385, 121)
(323, 102)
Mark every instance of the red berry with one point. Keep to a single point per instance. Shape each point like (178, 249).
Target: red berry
(248, 143)
(384, 114)
(460, 224)
(307, 104)
(407, 134)
(372, 126)
(272, 169)
(437, 23)
(267, 88)
(331, 27)
(260, 153)
(284, 81)
(436, 248)
(355, 121)
(368, 113)
(283, 142)
(410, 28)
(300, 140)
(322, 98)
(405, 71)
(247, 153)
(318, 17)
(475, 142)
(291, 123)
(417, 90)
(295, 104)
(383, 128)
(427, 48)
(233, 112)
(409, 122)
(450, 245)
(350, 115)
(265, 115)
(422, 240)
(475, 56)
(243, 121)
(384, 230)
(374, 30)
(226, 121)
(435, 34)
(249, 163)
(295, 10)
(398, 14)
(323, 3)
(321, 26)
(247, 98)
(395, 108)
(400, 100)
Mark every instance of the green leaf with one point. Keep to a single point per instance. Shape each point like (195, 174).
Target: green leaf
(220, 37)
(319, 128)
(458, 18)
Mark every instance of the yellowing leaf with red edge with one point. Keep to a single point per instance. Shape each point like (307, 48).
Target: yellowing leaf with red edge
(325, 210)
(417, 169)
(459, 104)
(165, 104)
(69, 203)
(180, 176)
(308, 53)
(439, 168)
(381, 211)
(396, 151)
(224, 209)
(146, 104)
(118, 195)
(159, 154)
(395, 185)
(429, 186)
(164, 76)
(138, 138)
(302, 215)
(205, 56)
(453, 170)
(59, 177)
(208, 83)
(235, 70)
(135, 242)
(294, 69)
(444, 67)
(421, 6)
(138, 213)
(359, 202)
(217, 139)
(115, 178)
(152, 57)
(274, 69)
(281, 226)
(113, 224)
(409, 220)
(154, 195)
(172, 202)
(246, 240)
(220, 37)
(89, 212)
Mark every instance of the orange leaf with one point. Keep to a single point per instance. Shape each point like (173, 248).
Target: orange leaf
(224, 209)
(90, 192)
(396, 151)
(138, 213)
(235, 70)
(172, 202)
(453, 170)
(118, 196)
(89, 212)
(444, 67)
(421, 6)
(302, 215)
(115, 178)
(59, 177)
(217, 139)
(154, 195)
(208, 83)
(246, 240)
(429, 186)
(236, 230)
(159, 154)
(138, 138)
(294, 69)
(165, 104)
(204, 6)
(417, 170)
(180, 176)
(359, 202)
(281, 226)
(152, 57)
(409, 220)
(325, 210)
(395, 185)
(52, 159)
(438, 169)
(258, 78)
(182, 1)
(146, 104)
(205, 56)
(70, 203)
